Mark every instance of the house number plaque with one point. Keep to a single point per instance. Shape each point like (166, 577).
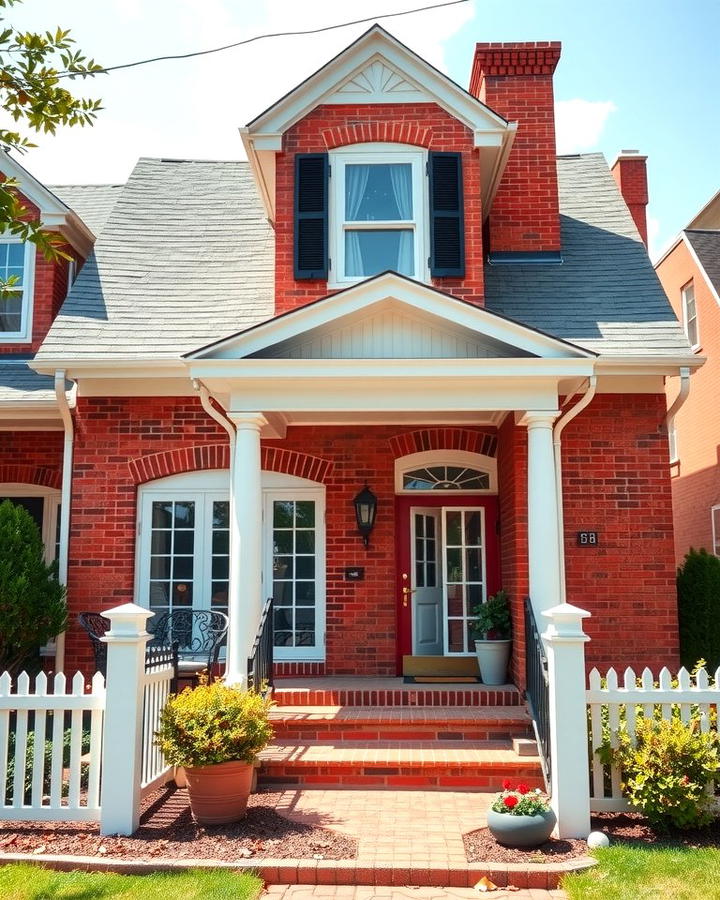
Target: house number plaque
(356, 573)
(588, 538)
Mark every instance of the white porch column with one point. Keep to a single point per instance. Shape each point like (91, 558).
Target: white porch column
(569, 771)
(245, 598)
(543, 545)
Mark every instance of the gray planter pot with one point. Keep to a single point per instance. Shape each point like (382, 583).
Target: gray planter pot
(521, 831)
(493, 658)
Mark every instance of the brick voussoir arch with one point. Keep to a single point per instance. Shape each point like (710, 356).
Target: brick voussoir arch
(217, 456)
(15, 473)
(484, 442)
(374, 132)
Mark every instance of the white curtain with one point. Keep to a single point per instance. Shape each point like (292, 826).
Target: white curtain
(401, 180)
(356, 179)
(406, 253)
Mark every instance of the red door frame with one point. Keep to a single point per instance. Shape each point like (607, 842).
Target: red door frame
(403, 504)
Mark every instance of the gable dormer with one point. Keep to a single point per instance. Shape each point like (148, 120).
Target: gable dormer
(377, 162)
(29, 307)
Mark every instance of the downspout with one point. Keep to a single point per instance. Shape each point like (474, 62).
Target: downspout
(217, 415)
(679, 400)
(565, 419)
(65, 496)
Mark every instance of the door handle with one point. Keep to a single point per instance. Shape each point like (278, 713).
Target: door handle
(406, 591)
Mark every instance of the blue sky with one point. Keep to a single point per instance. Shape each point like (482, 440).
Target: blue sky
(642, 74)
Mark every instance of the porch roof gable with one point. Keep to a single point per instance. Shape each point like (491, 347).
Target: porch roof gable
(389, 316)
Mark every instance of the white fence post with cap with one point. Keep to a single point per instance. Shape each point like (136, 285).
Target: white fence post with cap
(122, 745)
(570, 780)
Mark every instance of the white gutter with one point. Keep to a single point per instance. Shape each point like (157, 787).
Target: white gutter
(65, 497)
(560, 424)
(679, 400)
(205, 400)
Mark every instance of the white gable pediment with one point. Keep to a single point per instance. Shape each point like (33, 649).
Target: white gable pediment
(390, 317)
(379, 81)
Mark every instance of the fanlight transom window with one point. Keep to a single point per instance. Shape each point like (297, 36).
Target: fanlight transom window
(446, 478)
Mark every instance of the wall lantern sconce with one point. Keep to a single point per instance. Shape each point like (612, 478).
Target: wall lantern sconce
(365, 504)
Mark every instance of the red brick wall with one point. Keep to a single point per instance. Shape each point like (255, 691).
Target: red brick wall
(630, 174)
(617, 482)
(696, 479)
(515, 80)
(31, 457)
(420, 124)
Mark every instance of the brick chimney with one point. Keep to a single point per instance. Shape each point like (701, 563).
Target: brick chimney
(516, 80)
(630, 173)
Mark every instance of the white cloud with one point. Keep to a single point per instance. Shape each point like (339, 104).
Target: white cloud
(579, 123)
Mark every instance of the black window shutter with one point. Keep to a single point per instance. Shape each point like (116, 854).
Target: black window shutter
(311, 215)
(447, 233)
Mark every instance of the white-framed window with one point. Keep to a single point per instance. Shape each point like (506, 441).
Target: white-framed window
(715, 516)
(378, 218)
(183, 552)
(17, 260)
(673, 443)
(43, 504)
(690, 317)
(459, 471)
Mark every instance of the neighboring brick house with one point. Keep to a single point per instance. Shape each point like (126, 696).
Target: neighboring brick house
(690, 273)
(404, 288)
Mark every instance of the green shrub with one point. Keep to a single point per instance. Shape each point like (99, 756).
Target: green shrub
(666, 775)
(214, 723)
(493, 621)
(30, 755)
(698, 587)
(32, 602)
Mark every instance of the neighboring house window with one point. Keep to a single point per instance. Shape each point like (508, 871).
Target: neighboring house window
(16, 262)
(715, 513)
(690, 319)
(72, 273)
(673, 443)
(377, 220)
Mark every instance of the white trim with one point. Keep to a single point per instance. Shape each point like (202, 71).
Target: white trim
(697, 262)
(715, 529)
(24, 335)
(686, 319)
(376, 154)
(445, 457)
(50, 509)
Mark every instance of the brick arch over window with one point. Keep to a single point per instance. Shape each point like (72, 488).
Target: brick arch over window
(377, 132)
(217, 456)
(484, 442)
(18, 474)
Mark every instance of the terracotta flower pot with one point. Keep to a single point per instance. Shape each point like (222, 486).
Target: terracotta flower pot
(521, 831)
(219, 793)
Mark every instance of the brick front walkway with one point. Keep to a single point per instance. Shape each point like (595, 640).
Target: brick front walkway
(341, 892)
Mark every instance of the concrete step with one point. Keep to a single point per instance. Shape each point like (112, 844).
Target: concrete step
(459, 765)
(400, 724)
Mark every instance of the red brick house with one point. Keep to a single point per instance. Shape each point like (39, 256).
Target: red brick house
(403, 287)
(690, 273)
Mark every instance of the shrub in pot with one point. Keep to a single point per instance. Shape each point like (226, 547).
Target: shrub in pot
(215, 732)
(492, 631)
(520, 817)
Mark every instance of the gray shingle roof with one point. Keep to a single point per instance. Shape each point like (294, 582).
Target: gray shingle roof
(92, 202)
(605, 295)
(18, 383)
(186, 256)
(706, 245)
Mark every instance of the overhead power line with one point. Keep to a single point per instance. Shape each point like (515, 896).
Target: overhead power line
(277, 34)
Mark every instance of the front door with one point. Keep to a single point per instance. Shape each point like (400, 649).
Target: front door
(448, 563)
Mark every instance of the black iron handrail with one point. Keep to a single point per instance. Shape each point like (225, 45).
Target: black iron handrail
(538, 688)
(157, 655)
(260, 661)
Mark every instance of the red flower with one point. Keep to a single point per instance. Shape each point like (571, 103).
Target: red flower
(507, 784)
(522, 788)
(510, 801)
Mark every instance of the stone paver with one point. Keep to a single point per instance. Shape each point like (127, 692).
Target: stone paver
(310, 892)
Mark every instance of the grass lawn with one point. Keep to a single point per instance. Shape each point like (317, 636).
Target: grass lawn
(649, 873)
(33, 883)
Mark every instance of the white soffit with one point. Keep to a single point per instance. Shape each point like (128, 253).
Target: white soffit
(370, 317)
(377, 68)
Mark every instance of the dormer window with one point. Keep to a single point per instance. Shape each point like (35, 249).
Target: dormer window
(378, 222)
(16, 262)
(371, 208)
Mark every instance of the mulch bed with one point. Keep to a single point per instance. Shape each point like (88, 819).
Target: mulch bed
(621, 828)
(168, 830)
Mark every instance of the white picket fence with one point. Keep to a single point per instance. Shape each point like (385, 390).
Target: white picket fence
(105, 783)
(45, 788)
(694, 697)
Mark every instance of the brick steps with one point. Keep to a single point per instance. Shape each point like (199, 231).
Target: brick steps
(482, 766)
(364, 723)
(289, 694)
